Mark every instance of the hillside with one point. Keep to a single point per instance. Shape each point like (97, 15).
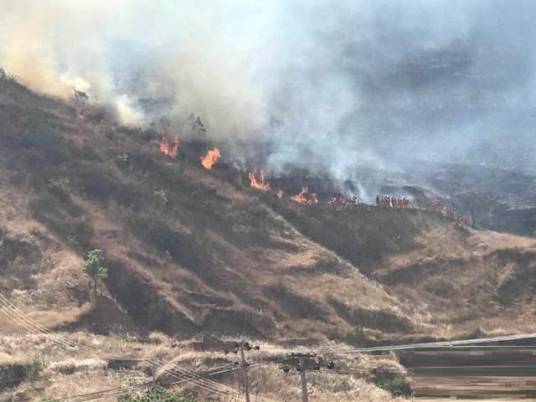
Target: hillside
(211, 256)
(195, 252)
(463, 279)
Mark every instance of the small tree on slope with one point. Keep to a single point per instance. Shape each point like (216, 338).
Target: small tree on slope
(93, 266)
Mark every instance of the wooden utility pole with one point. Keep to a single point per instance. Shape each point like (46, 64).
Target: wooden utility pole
(242, 347)
(303, 362)
(305, 397)
(244, 365)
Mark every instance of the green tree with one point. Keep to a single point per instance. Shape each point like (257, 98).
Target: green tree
(94, 266)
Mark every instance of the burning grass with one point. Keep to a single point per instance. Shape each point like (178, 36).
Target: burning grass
(258, 183)
(211, 158)
(170, 147)
(304, 197)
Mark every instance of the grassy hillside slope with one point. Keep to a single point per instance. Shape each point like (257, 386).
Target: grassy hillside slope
(192, 251)
(188, 250)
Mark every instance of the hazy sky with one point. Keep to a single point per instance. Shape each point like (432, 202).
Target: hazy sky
(338, 82)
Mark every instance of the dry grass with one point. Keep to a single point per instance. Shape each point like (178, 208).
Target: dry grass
(466, 280)
(84, 369)
(215, 252)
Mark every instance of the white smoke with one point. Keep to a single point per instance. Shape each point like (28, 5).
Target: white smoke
(337, 83)
(189, 51)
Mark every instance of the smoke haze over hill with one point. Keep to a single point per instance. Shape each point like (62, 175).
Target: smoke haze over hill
(341, 83)
(181, 180)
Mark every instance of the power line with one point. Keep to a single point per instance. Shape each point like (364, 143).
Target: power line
(14, 313)
(303, 362)
(117, 391)
(122, 390)
(33, 326)
(241, 347)
(424, 345)
(183, 375)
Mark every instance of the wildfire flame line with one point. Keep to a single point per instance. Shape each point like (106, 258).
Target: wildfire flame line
(303, 197)
(174, 147)
(260, 183)
(300, 197)
(168, 148)
(210, 159)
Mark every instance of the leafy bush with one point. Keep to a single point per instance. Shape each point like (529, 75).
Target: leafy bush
(94, 267)
(391, 380)
(356, 336)
(161, 394)
(33, 370)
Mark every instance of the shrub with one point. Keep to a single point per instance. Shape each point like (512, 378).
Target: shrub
(161, 394)
(34, 369)
(93, 266)
(61, 187)
(122, 160)
(391, 380)
(356, 336)
(161, 198)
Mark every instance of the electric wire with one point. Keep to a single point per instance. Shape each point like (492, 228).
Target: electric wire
(33, 327)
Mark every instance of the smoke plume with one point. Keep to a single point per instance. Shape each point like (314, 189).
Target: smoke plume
(331, 85)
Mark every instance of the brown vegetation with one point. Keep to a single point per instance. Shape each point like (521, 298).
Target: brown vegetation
(191, 251)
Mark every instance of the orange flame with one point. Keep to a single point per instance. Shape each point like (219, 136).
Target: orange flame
(174, 147)
(164, 146)
(259, 184)
(168, 148)
(303, 197)
(210, 158)
(300, 197)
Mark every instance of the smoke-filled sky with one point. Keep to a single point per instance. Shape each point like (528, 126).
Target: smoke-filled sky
(338, 82)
